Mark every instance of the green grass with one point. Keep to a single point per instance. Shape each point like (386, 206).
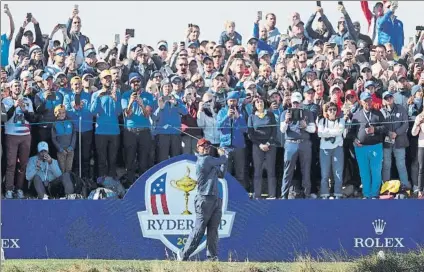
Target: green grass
(393, 262)
(164, 266)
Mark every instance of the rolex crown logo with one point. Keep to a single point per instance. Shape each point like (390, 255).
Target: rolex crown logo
(379, 226)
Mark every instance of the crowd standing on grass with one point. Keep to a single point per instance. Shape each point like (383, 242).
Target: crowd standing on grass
(328, 109)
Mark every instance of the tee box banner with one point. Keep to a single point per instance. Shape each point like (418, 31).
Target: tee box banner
(157, 214)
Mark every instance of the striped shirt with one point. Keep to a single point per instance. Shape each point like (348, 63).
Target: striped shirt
(17, 124)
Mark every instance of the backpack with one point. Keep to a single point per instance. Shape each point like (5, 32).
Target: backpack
(82, 186)
(389, 189)
(112, 184)
(102, 193)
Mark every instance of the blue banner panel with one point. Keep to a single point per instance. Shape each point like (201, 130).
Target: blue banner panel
(157, 214)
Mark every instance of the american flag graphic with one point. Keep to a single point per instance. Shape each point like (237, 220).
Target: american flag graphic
(158, 196)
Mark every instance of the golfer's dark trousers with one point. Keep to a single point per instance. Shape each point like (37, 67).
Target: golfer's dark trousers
(208, 216)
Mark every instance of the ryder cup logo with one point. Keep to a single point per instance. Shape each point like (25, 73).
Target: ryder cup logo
(379, 242)
(170, 212)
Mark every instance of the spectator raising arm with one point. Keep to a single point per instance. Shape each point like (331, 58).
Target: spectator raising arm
(11, 24)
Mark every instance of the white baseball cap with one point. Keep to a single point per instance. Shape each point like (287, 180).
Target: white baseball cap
(296, 97)
(42, 146)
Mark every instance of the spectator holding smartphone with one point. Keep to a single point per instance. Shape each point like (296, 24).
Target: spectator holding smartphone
(63, 138)
(25, 39)
(78, 40)
(45, 102)
(43, 173)
(77, 105)
(106, 106)
(19, 114)
(297, 144)
(167, 118)
(232, 125)
(7, 38)
(137, 105)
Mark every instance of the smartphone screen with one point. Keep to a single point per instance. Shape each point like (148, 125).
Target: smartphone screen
(6, 6)
(340, 3)
(51, 44)
(318, 3)
(117, 38)
(260, 14)
(129, 31)
(78, 99)
(29, 17)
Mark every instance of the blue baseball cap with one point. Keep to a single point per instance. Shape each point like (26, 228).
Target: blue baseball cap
(369, 83)
(386, 93)
(47, 76)
(133, 76)
(233, 95)
(365, 96)
(193, 44)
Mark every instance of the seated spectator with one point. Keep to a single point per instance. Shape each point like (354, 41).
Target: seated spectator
(64, 138)
(44, 174)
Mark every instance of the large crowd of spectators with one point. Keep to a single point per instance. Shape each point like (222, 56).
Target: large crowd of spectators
(320, 106)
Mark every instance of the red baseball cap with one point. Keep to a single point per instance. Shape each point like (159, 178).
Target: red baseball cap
(203, 141)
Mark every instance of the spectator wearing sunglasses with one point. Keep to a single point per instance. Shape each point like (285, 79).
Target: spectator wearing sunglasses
(345, 30)
(331, 129)
(396, 141)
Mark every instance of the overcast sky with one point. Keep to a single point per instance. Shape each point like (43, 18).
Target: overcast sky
(154, 21)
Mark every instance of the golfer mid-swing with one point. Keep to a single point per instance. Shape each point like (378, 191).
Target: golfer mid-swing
(207, 203)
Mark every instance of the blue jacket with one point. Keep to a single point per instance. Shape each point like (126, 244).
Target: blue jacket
(169, 115)
(63, 135)
(107, 111)
(86, 69)
(137, 118)
(84, 112)
(223, 38)
(231, 131)
(390, 31)
(44, 108)
(262, 45)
